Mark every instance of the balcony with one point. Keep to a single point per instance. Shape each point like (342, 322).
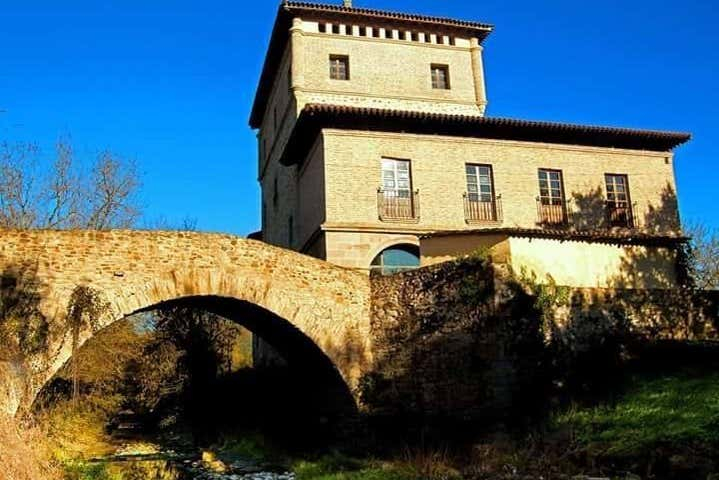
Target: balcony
(398, 205)
(478, 211)
(619, 214)
(552, 213)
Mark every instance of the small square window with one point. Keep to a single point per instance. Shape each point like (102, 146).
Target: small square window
(440, 77)
(339, 67)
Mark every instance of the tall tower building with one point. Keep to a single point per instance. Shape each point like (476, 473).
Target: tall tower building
(372, 135)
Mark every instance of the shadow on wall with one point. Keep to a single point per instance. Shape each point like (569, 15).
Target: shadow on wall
(592, 211)
(24, 332)
(673, 307)
(455, 348)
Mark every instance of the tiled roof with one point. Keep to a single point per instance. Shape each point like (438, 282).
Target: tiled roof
(620, 237)
(365, 13)
(289, 10)
(317, 116)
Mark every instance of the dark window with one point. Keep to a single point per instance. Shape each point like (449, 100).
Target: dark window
(275, 193)
(480, 185)
(388, 33)
(375, 32)
(363, 31)
(440, 77)
(415, 36)
(291, 230)
(264, 216)
(399, 258)
(428, 37)
(451, 40)
(339, 67)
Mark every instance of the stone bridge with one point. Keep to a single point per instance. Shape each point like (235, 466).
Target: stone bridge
(307, 309)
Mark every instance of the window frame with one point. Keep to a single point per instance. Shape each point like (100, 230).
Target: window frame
(552, 200)
(439, 67)
(395, 171)
(478, 192)
(628, 198)
(619, 213)
(335, 69)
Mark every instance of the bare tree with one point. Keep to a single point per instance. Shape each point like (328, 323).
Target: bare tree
(65, 195)
(704, 257)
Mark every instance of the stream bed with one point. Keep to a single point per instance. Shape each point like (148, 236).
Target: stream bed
(149, 462)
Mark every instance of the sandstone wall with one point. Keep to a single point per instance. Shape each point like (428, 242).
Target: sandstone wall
(134, 270)
(353, 174)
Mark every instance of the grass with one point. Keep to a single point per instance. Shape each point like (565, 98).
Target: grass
(78, 431)
(671, 410)
(415, 465)
(332, 468)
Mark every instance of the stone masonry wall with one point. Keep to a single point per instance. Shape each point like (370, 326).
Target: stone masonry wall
(135, 270)
(453, 342)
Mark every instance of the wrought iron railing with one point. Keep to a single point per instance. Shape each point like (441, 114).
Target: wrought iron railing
(619, 214)
(479, 211)
(552, 213)
(398, 205)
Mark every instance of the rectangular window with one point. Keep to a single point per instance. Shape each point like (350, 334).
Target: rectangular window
(396, 178)
(551, 206)
(440, 77)
(617, 189)
(619, 212)
(551, 189)
(480, 185)
(396, 200)
(339, 67)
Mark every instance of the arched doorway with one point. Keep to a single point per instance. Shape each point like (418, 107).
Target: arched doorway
(396, 259)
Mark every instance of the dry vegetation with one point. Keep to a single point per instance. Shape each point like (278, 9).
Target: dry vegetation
(24, 454)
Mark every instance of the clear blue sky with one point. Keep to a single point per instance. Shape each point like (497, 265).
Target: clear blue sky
(170, 83)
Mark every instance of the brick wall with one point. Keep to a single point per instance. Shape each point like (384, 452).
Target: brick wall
(353, 171)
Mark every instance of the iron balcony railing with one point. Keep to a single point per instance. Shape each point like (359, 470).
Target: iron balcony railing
(619, 214)
(482, 211)
(552, 212)
(398, 205)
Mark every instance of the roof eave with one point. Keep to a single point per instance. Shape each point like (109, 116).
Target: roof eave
(314, 117)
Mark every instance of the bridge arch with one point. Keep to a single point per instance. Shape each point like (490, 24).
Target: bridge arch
(133, 271)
